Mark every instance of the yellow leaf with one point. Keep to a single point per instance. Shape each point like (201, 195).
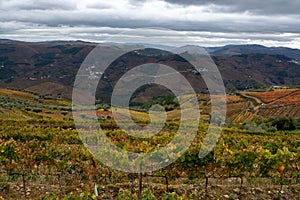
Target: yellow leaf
(281, 168)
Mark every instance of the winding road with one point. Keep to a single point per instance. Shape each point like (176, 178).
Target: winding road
(260, 102)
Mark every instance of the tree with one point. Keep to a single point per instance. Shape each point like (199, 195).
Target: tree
(284, 123)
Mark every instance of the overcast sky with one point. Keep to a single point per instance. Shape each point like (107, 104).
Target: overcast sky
(209, 22)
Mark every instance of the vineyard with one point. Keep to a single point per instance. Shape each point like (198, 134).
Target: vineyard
(271, 96)
(293, 99)
(42, 157)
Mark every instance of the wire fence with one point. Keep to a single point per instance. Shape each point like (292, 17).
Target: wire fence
(32, 185)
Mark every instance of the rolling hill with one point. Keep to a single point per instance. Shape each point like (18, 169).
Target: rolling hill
(231, 50)
(39, 66)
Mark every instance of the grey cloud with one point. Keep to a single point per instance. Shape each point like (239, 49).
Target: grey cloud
(16, 5)
(98, 6)
(264, 7)
(82, 18)
(215, 21)
(101, 34)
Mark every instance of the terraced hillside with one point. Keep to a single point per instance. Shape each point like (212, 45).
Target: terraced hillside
(283, 102)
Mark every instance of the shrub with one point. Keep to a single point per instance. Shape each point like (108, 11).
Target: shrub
(284, 123)
(37, 110)
(68, 119)
(64, 113)
(171, 196)
(126, 195)
(148, 195)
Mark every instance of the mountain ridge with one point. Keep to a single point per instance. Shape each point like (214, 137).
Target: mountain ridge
(28, 64)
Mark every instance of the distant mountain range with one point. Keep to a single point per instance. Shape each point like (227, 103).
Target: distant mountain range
(37, 65)
(231, 50)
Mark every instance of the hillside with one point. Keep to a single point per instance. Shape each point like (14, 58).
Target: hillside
(43, 157)
(244, 107)
(28, 64)
(51, 67)
(230, 50)
(282, 103)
